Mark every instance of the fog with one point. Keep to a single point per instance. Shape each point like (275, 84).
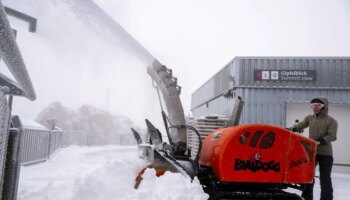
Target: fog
(81, 56)
(77, 54)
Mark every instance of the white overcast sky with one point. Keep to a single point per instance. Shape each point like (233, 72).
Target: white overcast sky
(201, 36)
(195, 38)
(198, 37)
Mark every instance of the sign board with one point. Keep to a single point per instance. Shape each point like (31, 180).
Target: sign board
(285, 75)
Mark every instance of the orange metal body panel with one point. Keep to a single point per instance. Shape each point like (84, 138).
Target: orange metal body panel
(300, 161)
(259, 153)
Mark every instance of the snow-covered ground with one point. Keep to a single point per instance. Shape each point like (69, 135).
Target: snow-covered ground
(341, 184)
(101, 173)
(106, 173)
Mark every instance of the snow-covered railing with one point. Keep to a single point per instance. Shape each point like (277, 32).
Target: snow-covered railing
(35, 145)
(38, 142)
(74, 138)
(55, 140)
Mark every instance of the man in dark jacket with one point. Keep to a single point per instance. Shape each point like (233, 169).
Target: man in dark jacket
(323, 129)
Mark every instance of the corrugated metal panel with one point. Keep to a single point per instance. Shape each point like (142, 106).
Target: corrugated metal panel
(266, 101)
(220, 106)
(218, 84)
(204, 93)
(222, 80)
(330, 72)
(268, 106)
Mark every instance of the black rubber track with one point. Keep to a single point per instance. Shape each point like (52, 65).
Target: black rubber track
(270, 195)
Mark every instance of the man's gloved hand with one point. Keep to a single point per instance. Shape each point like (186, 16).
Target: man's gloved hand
(321, 141)
(296, 129)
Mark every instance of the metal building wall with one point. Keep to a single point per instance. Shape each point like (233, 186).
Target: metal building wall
(220, 105)
(331, 72)
(268, 106)
(214, 87)
(265, 101)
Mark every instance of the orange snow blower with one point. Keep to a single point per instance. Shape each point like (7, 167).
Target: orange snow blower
(241, 162)
(255, 161)
(252, 161)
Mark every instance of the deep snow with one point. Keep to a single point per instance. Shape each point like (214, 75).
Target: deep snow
(101, 173)
(108, 172)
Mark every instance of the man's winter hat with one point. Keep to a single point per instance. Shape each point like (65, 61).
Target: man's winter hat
(316, 100)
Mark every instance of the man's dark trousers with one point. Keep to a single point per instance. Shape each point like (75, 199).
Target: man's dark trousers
(325, 164)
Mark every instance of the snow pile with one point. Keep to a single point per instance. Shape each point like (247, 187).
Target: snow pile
(93, 173)
(170, 186)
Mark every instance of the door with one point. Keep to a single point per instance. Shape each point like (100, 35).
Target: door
(340, 112)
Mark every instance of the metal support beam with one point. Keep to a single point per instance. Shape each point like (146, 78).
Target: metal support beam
(12, 57)
(19, 15)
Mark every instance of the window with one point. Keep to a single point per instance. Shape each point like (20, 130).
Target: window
(267, 141)
(255, 138)
(244, 138)
(308, 148)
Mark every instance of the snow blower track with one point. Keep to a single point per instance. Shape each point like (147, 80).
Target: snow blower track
(271, 195)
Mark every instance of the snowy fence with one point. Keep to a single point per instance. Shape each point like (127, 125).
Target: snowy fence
(38, 143)
(35, 145)
(55, 141)
(67, 138)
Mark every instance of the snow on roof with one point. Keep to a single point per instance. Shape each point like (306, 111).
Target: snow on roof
(27, 123)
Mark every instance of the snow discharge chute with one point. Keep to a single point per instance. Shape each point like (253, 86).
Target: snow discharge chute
(164, 79)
